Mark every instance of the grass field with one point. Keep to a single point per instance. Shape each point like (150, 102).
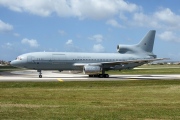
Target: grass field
(111, 100)
(150, 69)
(146, 71)
(7, 68)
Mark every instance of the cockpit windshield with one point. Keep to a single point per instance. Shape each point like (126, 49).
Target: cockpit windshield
(19, 58)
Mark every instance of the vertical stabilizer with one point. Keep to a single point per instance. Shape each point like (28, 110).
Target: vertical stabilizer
(147, 42)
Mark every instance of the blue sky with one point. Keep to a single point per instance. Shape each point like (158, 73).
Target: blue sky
(87, 25)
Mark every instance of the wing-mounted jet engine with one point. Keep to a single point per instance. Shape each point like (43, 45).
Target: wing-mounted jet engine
(89, 70)
(94, 71)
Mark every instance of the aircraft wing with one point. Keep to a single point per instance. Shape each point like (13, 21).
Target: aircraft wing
(133, 61)
(120, 62)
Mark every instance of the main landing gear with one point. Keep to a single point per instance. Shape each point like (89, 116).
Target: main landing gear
(40, 73)
(100, 75)
(103, 75)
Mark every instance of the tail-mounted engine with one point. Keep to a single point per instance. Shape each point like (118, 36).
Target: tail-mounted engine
(125, 49)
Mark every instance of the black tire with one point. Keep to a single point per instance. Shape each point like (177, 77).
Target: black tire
(90, 75)
(96, 75)
(106, 76)
(100, 75)
(40, 76)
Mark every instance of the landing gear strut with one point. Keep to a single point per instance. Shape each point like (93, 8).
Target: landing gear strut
(40, 73)
(103, 75)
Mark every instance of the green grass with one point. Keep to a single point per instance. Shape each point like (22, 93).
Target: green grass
(150, 69)
(148, 99)
(146, 71)
(8, 68)
(158, 66)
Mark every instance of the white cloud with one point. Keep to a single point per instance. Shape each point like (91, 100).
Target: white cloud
(98, 48)
(114, 23)
(99, 9)
(70, 47)
(166, 15)
(94, 9)
(167, 18)
(97, 38)
(69, 42)
(122, 16)
(5, 27)
(62, 32)
(30, 42)
(164, 18)
(169, 36)
(143, 20)
(16, 34)
(37, 7)
(7, 45)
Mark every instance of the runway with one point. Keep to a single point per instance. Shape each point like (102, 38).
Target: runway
(32, 75)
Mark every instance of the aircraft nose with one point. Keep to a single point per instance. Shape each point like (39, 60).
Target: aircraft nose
(15, 63)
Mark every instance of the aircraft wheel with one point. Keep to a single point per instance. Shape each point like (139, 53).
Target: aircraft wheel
(101, 75)
(90, 75)
(40, 76)
(106, 76)
(96, 75)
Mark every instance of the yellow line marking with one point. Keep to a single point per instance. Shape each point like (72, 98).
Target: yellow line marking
(60, 80)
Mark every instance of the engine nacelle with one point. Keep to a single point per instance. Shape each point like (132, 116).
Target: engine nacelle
(92, 70)
(124, 48)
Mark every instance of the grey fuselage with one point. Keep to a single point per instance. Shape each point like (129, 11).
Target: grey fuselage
(66, 60)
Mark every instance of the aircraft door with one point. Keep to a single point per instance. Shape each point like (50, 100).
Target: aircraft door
(29, 59)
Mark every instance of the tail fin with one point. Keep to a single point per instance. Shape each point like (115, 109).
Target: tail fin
(147, 42)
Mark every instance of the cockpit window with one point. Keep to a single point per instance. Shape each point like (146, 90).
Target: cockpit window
(19, 58)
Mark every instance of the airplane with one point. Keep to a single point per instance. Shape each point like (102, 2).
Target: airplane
(92, 64)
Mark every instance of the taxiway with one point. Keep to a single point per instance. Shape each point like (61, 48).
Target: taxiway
(32, 75)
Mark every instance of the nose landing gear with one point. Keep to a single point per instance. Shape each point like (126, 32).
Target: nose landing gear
(40, 73)
(40, 76)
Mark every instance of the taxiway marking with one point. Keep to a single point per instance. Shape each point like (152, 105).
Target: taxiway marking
(60, 80)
